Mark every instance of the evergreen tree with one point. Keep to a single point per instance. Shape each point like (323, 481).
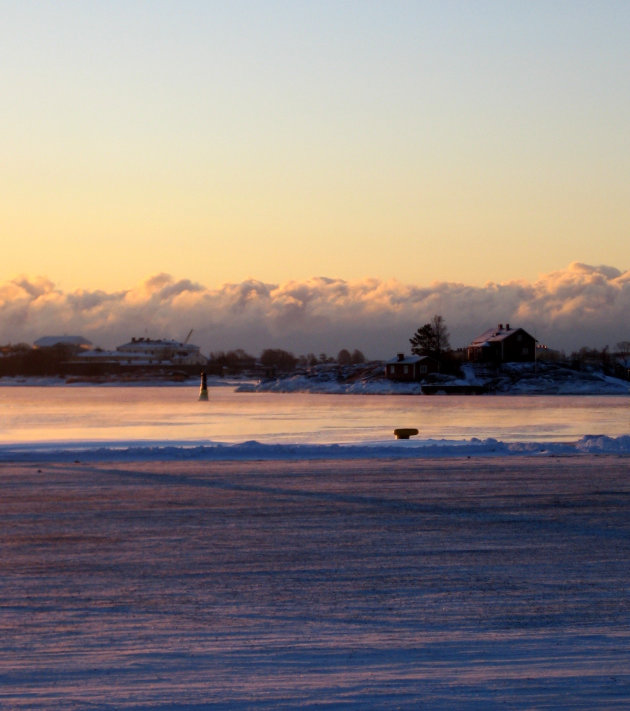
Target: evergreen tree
(432, 339)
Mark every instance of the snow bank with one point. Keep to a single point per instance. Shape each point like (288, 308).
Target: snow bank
(254, 450)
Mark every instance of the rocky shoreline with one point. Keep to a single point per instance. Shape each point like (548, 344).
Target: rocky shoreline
(541, 378)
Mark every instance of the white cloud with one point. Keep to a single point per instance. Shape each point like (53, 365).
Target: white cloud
(576, 306)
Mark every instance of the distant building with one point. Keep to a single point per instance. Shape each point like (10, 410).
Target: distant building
(140, 354)
(409, 368)
(503, 345)
(162, 351)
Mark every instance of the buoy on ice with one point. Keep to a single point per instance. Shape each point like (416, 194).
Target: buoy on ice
(405, 432)
(203, 390)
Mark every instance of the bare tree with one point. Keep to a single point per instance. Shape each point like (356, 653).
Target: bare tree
(357, 357)
(344, 357)
(282, 360)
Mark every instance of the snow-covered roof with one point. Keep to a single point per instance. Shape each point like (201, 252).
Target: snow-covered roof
(407, 360)
(145, 343)
(495, 335)
(50, 341)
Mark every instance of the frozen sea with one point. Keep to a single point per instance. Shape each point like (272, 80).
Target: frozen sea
(170, 421)
(283, 551)
(485, 584)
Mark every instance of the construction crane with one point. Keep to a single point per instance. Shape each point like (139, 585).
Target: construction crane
(189, 335)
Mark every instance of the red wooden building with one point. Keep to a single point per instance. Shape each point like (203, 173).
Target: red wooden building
(503, 345)
(409, 368)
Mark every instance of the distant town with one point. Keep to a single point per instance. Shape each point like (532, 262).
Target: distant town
(430, 359)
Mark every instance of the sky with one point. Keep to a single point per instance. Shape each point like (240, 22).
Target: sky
(429, 145)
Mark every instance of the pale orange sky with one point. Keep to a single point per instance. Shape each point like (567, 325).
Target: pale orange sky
(419, 141)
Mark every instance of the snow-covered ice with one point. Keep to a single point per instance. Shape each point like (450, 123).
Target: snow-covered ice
(490, 583)
(148, 571)
(253, 450)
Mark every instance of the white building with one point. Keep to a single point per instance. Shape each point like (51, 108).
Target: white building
(160, 351)
(146, 351)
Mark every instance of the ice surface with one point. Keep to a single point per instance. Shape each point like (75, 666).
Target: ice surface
(374, 584)
(170, 423)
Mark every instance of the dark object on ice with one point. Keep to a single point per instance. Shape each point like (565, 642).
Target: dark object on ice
(405, 432)
(203, 390)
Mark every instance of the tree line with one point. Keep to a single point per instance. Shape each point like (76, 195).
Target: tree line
(432, 339)
(277, 360)
(23, 359)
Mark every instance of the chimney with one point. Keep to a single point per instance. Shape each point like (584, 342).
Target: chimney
(500, 327)
(401, 356)
(507, 326)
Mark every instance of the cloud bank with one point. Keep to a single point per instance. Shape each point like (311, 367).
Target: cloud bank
(581, 305)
